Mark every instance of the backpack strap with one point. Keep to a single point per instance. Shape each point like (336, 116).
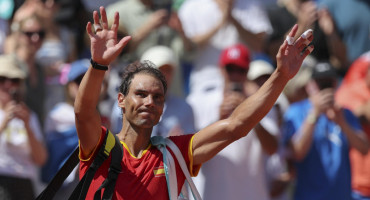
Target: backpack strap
(57, 181)
(111, 141)
(184, 168)
(114, 169)
(161, 144)
(168, 165)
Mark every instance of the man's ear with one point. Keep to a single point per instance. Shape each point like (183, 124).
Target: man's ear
(121, 100)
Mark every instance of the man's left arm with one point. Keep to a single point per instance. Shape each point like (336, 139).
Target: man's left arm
(212, 139)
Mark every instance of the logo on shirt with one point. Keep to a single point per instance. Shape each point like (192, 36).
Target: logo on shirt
(159, 171)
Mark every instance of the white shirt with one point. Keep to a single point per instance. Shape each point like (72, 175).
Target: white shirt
(200, 16)
(61, 118)
(238, 171)
(15, 159)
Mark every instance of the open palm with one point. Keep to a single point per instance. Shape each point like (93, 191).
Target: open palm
(290, 57)
(104, 45)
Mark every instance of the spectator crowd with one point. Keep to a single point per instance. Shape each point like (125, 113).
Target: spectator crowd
(313, 144)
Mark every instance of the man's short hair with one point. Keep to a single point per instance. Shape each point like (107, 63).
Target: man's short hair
(145, 67)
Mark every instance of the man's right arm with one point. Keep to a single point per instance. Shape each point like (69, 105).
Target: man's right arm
(104, 49)
(88, 120)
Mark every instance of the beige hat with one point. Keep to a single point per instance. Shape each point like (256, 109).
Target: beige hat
(258, 68)
(10, 67)
(160, 55)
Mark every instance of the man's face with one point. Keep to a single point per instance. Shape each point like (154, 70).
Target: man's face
(8, 87)
(235, 73)
(143, 104)
(32, 34)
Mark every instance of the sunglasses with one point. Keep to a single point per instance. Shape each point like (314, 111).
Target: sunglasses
(30, 34)
(234, 68)
(13, 80)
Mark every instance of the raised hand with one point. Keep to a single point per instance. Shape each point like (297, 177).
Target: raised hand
(292, 53)
(104, 45)
(225, 6)
(323, 100)
(326, 22)
(157, 19)
(22, 112)
(335, 113)
(307, 14)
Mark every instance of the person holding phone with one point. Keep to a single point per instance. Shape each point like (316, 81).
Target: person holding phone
(319, 134)
(22, 148)
(246, 156)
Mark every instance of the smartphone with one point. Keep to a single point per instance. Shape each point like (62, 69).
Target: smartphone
(237, 87)
(325, 83)
(16, 95)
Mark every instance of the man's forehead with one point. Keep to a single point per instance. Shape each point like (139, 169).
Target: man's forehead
(144, 81)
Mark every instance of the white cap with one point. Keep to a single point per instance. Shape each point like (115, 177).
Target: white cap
(258, 68)
(159, 56)
(10, 67)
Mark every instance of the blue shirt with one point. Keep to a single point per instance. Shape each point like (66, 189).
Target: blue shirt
(324, 174)
(352, 20)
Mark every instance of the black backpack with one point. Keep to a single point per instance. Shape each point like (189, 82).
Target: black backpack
(111, 145)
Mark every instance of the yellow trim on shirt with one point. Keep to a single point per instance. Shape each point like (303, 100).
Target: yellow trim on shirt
(194, 170)
(91, 154)
(144, 152)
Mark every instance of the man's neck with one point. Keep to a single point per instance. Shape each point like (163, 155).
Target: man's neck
(137, 140)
